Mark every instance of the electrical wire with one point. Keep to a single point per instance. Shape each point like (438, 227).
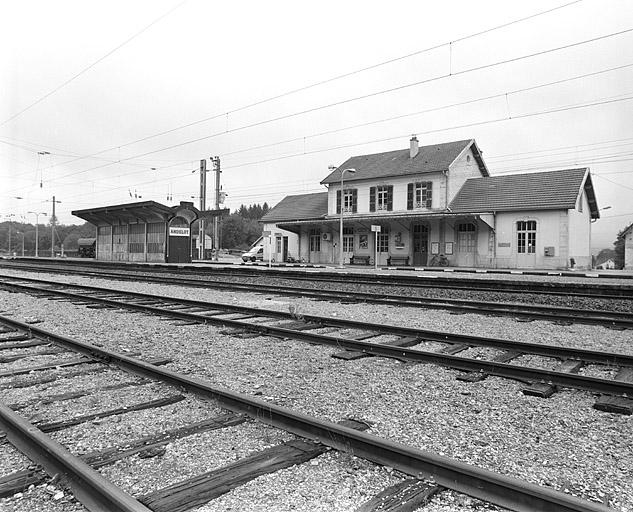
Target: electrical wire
(332, 79)
(365, 96)
(90, 66)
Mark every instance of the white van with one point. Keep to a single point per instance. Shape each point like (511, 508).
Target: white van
(254, 254)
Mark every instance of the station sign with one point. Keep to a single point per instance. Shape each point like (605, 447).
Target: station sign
(375, 228)
(175, 231)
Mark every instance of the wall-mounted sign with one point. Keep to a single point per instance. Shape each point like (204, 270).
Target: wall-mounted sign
(503, 244)
(175, 231)
(375, 228)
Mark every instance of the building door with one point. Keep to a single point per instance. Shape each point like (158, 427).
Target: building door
(420, 244)
(526, 243)
(315, 246)
(284, 249)
(466, 244)
(179, 248)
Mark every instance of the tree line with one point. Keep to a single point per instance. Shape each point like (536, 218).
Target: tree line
(238, 231)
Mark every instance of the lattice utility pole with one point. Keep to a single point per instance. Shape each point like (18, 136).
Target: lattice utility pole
(216, 220)
(203, 207)
(53, 222)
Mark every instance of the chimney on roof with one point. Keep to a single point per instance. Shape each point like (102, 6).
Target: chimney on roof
(414, 148)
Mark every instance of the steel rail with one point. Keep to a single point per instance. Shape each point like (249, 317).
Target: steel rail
(499, 489)
(592, 290)
(531, 311)
(491, 367)
(95, 492)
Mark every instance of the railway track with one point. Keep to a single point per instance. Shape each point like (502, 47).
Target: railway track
(358, 339)
(611, 319)
(220, 409)
(571, 289)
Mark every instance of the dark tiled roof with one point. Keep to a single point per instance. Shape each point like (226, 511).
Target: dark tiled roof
(536, 191)
(301, 207)
(398, 163)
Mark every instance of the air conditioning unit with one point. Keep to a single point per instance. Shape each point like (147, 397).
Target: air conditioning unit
(326, 236)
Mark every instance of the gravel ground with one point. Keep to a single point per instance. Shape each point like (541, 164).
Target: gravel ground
(560, 442)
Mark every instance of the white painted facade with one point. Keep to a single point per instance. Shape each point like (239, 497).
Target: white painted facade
(541, 238)
(628, 249)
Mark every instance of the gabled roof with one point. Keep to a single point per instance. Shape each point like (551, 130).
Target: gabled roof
(434, 158)
(300, 207)
(552, 190)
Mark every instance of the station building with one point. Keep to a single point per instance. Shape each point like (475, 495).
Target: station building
(145, 231)
(628, 248)
(438, 203)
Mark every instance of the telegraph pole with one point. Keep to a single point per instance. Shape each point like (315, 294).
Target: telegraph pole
(216, 220)
(203, 207)
(53, 222)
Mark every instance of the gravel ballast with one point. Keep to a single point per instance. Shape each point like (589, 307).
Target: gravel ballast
(560, 442)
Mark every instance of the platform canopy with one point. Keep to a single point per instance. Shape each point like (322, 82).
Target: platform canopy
(145, 211)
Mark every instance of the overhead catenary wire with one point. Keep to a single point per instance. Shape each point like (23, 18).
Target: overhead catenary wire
(332, 79)
(400, 136)
(92, 65)
(357, 98)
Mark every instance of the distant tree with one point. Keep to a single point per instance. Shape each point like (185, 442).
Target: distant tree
(618, 246)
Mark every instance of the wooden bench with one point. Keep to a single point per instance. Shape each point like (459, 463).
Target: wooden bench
(359, 260)
(398, 260)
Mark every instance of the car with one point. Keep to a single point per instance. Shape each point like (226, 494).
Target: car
(254, 254)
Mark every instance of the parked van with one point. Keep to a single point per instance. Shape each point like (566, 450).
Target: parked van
(254, 254)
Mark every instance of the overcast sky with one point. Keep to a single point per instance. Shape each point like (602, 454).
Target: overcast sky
(127, 96)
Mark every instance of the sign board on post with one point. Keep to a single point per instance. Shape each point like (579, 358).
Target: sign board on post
(376, 229)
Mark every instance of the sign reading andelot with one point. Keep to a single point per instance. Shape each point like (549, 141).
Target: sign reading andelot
(178, 231)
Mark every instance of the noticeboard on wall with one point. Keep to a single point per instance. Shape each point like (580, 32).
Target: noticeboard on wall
(448, 248)
(435, 247)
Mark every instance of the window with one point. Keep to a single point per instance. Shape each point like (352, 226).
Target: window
(526, 236)
(466, 237)
(383, 240)
(350, 196)
(315, 240)
(348, 239)
(420, 195)
(381, 198)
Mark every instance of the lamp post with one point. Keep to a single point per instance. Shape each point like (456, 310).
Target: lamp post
(37, 214)
(340, 240)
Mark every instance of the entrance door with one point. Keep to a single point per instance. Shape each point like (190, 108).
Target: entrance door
(284, 249)
(526, 243)
(315, 246)
(466, 244)
(179, 248)
(420, 244)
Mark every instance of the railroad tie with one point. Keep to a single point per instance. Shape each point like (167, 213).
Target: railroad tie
(476, 376)
(614, 403)
(545, 389)
(197, 491)
(405, 496)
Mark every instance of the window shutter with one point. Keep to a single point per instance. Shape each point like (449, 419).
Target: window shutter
(354, 200)
(410, 196)
(338, 201)
(372, 199)
(390, 198)
(429, 194)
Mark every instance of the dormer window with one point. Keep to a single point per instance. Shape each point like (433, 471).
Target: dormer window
(420, 195)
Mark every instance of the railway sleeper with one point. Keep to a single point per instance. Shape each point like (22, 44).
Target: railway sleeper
(545, 389)
(33, 475)
(201, 489)
(476, 376)
(405, 496)
(350, 355)
(617, 404)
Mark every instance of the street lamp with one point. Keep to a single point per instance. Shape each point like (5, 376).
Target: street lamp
(340, 240)
(37, 214)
